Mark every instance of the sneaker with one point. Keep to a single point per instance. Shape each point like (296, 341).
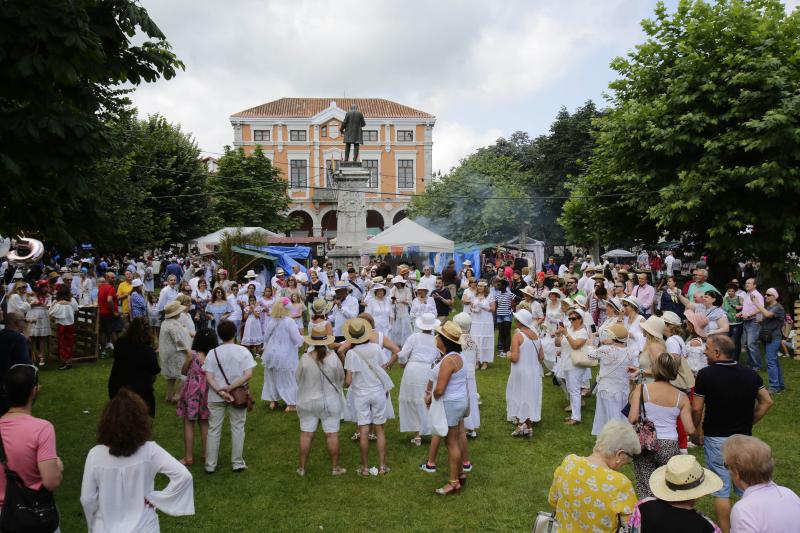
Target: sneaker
(65, 366)
(466, 467)
(472, 434)
(425, 467)
(109, 346)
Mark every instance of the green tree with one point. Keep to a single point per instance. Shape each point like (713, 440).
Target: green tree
(62, 67)
(703, 137)
(249, 191)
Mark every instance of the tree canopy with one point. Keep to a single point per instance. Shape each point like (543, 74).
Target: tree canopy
(703, 136)
(62, 69)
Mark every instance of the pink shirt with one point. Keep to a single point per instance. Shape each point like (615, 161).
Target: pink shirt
(766, 508)
(645, 295)
(749, 309)
(508, 272)
(28, 441)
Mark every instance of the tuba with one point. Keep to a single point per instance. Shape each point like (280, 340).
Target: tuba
(21, 251)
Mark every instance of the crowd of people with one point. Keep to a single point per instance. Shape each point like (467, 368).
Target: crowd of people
(667, 354)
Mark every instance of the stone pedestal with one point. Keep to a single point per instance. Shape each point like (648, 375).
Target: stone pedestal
(351, 182)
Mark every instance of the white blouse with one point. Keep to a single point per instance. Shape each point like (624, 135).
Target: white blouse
(114, 489)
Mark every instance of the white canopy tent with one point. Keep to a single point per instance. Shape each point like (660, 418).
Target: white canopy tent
(409, 235)
(208, 243)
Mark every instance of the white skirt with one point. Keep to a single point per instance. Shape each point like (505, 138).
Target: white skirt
(401, 330)
(473, 419)
(252, 335)
(524, 393)
(483, 335)
(549, 349)
(413, 412)
(609, 406)
(279, 384)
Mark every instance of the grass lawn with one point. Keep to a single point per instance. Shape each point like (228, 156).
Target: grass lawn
(507, 487)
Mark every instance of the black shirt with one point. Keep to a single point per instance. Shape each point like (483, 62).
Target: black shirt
(442, 309)
(135, 367)
(730, 392)
(13, 350)
(660, 517)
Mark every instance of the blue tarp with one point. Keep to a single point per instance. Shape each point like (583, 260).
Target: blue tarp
(286, 255)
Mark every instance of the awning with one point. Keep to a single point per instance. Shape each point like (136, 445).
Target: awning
(254, 253)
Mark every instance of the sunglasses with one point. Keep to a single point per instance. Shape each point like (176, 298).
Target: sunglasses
(574, 318)
(619, 286)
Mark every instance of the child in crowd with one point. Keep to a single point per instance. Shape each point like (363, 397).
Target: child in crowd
(153, 314)
(63, 311)
(253, 336)
(193, 402)
(296, 310)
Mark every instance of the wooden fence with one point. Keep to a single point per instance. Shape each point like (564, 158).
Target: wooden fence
(87, 330)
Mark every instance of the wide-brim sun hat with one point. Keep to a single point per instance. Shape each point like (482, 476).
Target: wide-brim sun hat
(618, 332)
(464, 321)
(682, 479)
(397, 280)
(319, 336)
(671, 318)
(378, 287)
(598, 277)
(529, 291)
(427, 322)
(580, 300)
(450, 331)
(616, 303)
(654, 325)
(378, 279)
(698, 321)
(357, 330)
(136, 283)
(174, 308)
(525, 318)
(321, 307)
(342, 286)
(631, 300)
(252, 274)
(421, 288)
(466, 262)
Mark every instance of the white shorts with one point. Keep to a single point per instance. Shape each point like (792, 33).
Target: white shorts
(310, 421)
(370, 408)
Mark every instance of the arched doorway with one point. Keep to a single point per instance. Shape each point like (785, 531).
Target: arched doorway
(304, 225)
(374, 222)
(329, 224)
(400, 215)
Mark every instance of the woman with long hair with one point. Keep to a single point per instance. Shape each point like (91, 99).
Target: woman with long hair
(135, 364)
(201, 297)
(218, 309)
(571, 338)
(118, 489)
(480, 311)
(281, 341)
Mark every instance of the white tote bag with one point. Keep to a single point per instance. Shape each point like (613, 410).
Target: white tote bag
(437, 418)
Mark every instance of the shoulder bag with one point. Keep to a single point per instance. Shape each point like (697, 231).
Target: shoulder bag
(379, 373)
(26, 510)
(545, 523)
(339, 392)
(645, 428)
(580, 357)
(241, 394)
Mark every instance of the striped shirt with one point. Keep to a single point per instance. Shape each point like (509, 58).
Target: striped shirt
(503, 300)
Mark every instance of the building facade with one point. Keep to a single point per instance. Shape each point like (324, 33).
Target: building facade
(302, 139)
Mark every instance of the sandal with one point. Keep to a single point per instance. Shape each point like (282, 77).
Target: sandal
(416, 441)
(355, 436)
(272, 405)
(520, 431)
(290, 409)
(452, 487)
(372, 436)
(363, 472)
(338, 471)
(571, 422)
(187, 461)
(301, 472)
(384, 470)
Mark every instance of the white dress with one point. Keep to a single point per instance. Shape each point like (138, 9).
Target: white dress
(524, 387)
(114, 490)
(350, 407)
(418, 308)
(482, 327)
(613, 384)
(381, 311)
(401, 328)
(418, 354)
(281, 342)
(695, 355)
(469, 351)
(252, 335)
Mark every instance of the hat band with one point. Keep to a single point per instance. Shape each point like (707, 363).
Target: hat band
(315, 338)
(687, 486)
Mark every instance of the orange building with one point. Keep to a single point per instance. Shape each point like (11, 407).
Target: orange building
(302, 139)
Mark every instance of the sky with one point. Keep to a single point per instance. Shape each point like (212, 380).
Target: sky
(484, 69)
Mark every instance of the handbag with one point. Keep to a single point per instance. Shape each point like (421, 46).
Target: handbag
(437, 418)
(241, 394)
(26, 510)
(645, 428)
(580, 357)
(339, 391)
(545, 523)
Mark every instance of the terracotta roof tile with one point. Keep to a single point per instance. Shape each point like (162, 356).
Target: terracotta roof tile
(308, 107)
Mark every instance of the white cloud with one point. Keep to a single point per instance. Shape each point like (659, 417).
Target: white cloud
(459, 60)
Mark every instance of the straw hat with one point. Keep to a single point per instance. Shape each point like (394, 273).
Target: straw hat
(342, 285)
(377, 287)
(52, 275)
(357, 330)
(525, 318)
(698, 321)
(557, 293)
(319, 335)
(618, 332)
(631, 300)
(616, 303)
(397, 280)
(671, 318)
(464, 321)
(403, 270)
(378, 279)
(252, 274)
(321, 307)
(174, 308)
(183, 299)
(450, 331)
(422, 288)
(682, 478)
(427, 322)
(654, 325)
(529, 291)
(599, 277)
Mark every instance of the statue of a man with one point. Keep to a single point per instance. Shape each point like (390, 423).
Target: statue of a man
(352, 131)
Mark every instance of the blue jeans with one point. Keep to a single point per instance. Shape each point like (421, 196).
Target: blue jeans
(751, 331)
(714, 462)
(774, 371)
(735, 333)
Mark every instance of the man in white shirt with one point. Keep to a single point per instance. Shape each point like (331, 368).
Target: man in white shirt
(562, 270)
(428, 280)
(586, 283)
(345, 307)
(301, 278)
(588, 262)
(278, 281)
(168, 293)
(668, 262)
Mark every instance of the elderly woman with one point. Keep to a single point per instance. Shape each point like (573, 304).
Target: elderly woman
(448, 384)
(400, 298)
(662, 404)
(774, 315)
(606, 496)
(421, 305)
(676, 487)
(569, 339)
(320, 379)
(174, 343)
(612, 379)
(417, 356)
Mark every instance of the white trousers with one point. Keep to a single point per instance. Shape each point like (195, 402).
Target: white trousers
(237, 417)
(574, 380)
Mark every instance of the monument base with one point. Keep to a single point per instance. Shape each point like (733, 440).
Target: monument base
(339, 257)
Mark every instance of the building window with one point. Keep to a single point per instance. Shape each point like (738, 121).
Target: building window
(323, 131)
(370, 136)
(298, 176)
(405, 136)
(334, 131)
(297, 135)
(405, 173)
(372, 165)
(261, 135)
